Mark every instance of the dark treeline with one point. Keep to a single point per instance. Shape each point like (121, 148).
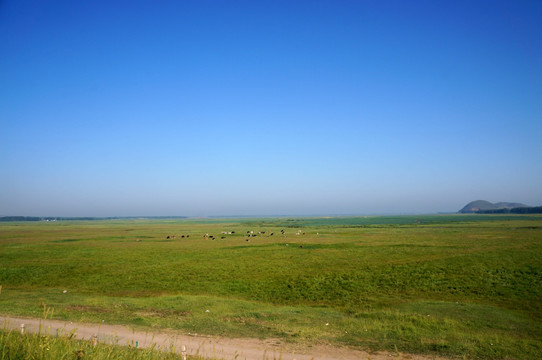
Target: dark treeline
(20, 218)
(49, 218)
(518, 210)
(36, 218)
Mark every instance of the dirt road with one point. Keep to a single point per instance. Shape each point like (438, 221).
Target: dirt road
(208, 347)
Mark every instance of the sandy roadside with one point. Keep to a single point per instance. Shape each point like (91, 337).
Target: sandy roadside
(207, 347)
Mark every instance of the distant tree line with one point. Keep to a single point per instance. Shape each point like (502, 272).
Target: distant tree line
(19, 218)
(36, 218)
(518, 210)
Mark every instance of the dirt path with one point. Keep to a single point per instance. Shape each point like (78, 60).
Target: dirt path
(209, 347)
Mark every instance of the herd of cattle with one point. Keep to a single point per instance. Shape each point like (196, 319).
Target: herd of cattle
(173, 236)
(249, 234)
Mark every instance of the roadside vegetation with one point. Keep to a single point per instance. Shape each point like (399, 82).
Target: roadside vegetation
(465, 286)
(14, 345)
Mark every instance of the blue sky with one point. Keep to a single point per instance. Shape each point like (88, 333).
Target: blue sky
(197, 108)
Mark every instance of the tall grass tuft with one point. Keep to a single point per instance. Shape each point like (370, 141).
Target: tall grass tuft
(14, 345)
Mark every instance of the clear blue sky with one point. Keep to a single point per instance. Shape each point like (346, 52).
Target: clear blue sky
(127, 108)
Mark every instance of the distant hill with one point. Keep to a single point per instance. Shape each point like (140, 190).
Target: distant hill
(486, 206)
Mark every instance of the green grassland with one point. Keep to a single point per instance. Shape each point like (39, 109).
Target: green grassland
(467, 286)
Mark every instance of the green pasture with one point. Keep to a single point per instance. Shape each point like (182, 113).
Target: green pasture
(467, 286)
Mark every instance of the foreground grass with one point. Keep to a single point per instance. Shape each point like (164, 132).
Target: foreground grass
(14, 346)
(453, 285)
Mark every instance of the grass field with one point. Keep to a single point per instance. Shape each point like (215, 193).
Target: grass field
(457, 285)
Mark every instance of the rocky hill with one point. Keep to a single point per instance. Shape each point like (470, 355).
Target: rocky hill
(483, 205)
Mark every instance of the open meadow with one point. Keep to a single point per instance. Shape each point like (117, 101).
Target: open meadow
(466, 286)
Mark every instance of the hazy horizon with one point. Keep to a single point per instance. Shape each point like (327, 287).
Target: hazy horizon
(208, 108)
(233, 216)
(256, 215)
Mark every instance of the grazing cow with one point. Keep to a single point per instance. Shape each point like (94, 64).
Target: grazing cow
(222, 237)
(182, 236)
(167, 237)
(187, 235)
